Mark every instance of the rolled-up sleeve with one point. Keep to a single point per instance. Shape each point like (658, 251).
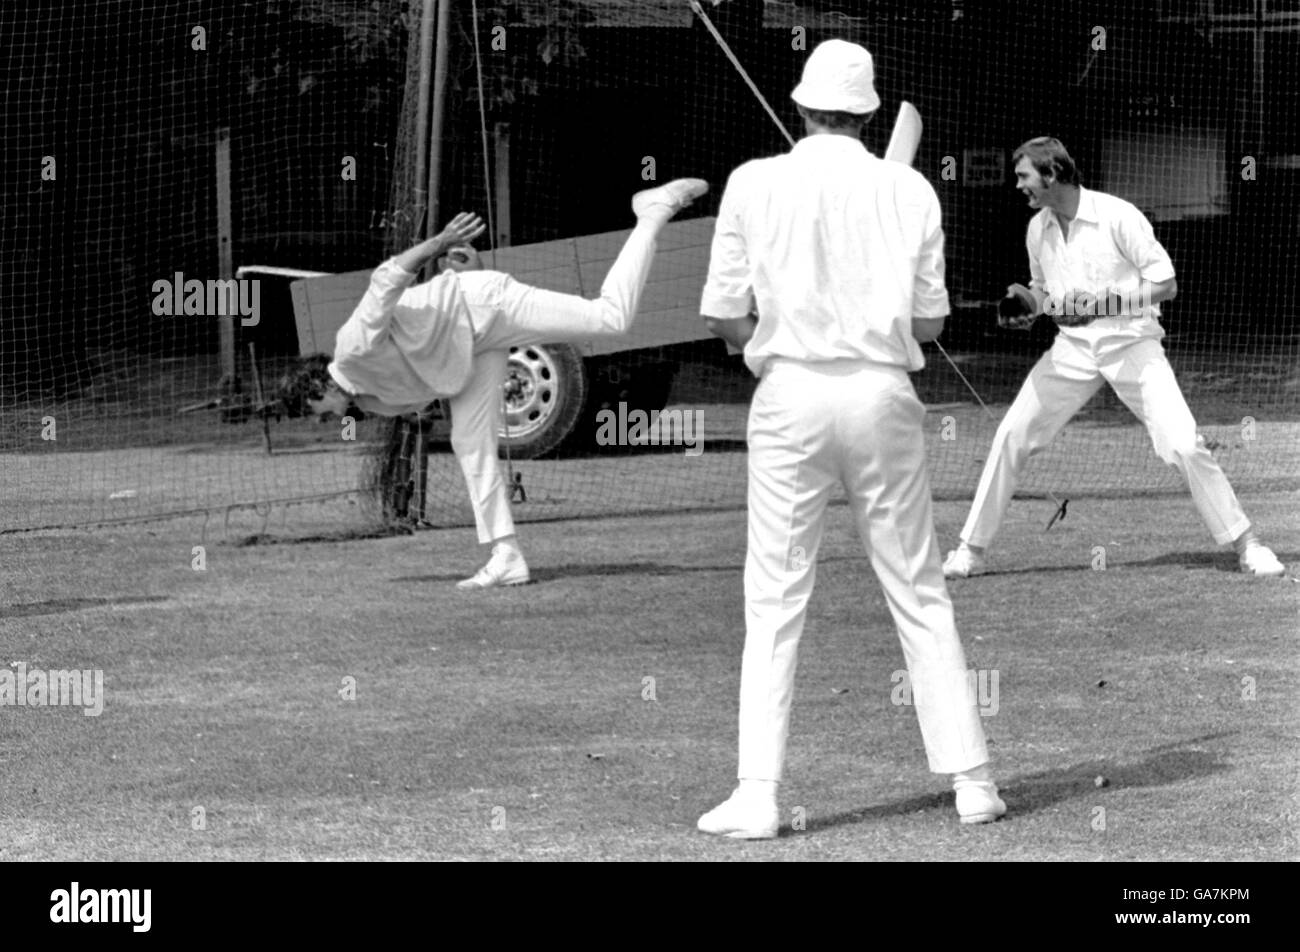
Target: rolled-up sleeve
(729, 290)
(375, 311)
(929, 293)
(1138, 243)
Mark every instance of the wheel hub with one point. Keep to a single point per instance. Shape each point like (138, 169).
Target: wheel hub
(531, 392)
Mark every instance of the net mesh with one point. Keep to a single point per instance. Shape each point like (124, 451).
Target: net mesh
(115, 137)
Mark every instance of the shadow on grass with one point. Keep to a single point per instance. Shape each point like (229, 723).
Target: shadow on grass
(1219, 561)
(1166, 764)
(1224, 561)
(56, 606)
(556, 573)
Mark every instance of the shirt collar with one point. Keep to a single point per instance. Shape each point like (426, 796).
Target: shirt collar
(829, 143)
(1087, 210)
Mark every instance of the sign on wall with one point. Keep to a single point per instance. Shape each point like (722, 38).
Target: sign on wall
(983, 167)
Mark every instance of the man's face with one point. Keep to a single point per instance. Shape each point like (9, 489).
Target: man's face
(461, 258)
(1031, 184)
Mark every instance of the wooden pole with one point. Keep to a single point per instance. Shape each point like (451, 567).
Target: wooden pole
(501, 135)
(438, 121)
(421, 193)
(225, 258)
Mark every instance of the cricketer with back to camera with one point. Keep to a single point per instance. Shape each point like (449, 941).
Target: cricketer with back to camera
(841, 254)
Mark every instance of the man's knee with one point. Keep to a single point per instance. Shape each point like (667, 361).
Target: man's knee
(611, 318)
(1014, 438)
(472, 441)
(1177, 449)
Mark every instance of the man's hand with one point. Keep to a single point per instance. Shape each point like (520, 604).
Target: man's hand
(1019, 309)
(461, 230)
(1073, 309)
(735, 331)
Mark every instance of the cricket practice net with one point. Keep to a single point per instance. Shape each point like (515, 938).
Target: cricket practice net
(154, 149)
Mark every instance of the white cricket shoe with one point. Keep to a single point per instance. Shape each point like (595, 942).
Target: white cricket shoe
(1260, 560)
(742, 817)
(963, 563)
(668, 199)
(978, 802)
(506, 567)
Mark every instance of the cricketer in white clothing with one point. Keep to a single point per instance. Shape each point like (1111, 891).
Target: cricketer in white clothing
(1095, 265)
(841, 253)
(405, 347)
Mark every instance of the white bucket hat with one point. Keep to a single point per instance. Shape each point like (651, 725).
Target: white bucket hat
(838, 77)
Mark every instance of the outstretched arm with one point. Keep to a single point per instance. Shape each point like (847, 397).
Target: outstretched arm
(369, 322)
(461, 230)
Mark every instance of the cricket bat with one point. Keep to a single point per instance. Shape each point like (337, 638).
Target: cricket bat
(905, 138)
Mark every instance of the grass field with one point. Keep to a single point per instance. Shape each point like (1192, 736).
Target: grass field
(517, 724)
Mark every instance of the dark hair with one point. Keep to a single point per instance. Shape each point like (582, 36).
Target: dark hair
(835, 120)
(1048, 156)
(309, 380)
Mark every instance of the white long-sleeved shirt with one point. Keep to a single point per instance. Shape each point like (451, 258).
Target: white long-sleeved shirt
(1111, 246)
(404, 347)
(837, 249)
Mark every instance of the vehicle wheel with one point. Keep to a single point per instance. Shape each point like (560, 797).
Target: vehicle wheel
(642, 386)
(639, 385)
(545, 392)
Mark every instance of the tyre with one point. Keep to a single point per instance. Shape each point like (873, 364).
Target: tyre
(545, 395)
(641, 384)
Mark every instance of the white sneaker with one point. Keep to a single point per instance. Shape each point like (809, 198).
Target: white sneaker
(668, 199)
(978, 802)
(742, 818)
(963, 563)
(506, 567)
(1260, 560)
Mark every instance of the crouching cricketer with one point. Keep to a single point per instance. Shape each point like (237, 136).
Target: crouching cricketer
(1095, 265)
(450, 337)
(842, 254)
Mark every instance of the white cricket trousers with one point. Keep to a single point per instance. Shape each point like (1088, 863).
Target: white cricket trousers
(1061, 382)
(857, 424)
(505, 314)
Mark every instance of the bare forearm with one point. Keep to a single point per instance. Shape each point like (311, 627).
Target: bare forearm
(415, 258)
(1159, 291)
(926, 329)
(736, 332)
(461, 230)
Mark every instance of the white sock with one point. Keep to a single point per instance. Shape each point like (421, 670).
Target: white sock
(758, 789)
(654, 218)
(978, 774)
(508, 544)
(977, 549)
